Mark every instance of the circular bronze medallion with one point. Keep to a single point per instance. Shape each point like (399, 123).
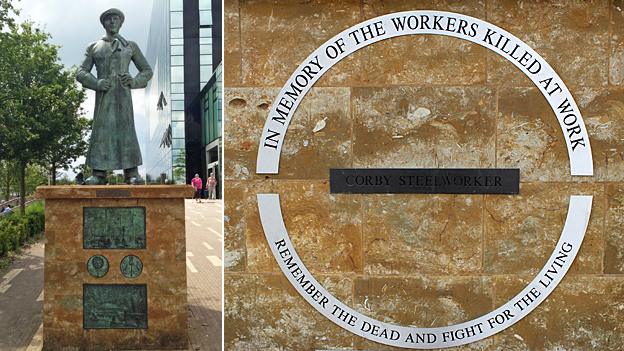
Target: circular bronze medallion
(97, 266)
(131, 266)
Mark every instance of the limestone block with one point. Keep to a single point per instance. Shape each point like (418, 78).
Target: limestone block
(614, 230)
(521, 230)
(423, 301)
(277, 36)
(325, 229)
(583, 313)
(603, 112)
(236, 207)
(572, 36)
(616, 59)
(232, 49)
(422, 234)
(305, 154)
(424, 127)
(422, 59)
(529, 136)
(266, 313)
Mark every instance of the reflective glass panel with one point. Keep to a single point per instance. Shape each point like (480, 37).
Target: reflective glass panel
(178, 156)
(177, 115)
(177, 33)
(177, 60)
(204, 4)
(177, 96)
(176, 20)
(175, 5)
(177, 129)
(205, 18)
(177, 50)
(205, 72)
(205, 59)
(177, 105)
(177, 88)
(177, 74)
(205, 32)
(179, 175)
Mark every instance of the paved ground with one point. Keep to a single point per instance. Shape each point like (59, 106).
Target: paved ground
(21, 286)
(21, 300)
(204, 239)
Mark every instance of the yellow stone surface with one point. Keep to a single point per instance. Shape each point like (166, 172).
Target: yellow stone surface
(164, 267)
(423, 301)
(451, 127)
(430, 234)
(614, 240)
(572, 36)
(232, 49)
(583, 313)
(327, 148)
(325, 229)
(521, 231)
(424, 101)
(268, 44)
(266, 313)
(616, 59)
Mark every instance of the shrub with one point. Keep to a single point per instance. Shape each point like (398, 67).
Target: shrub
(15, 229)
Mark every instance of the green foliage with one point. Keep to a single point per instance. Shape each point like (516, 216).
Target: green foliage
(72, 142)
(6, 7)
(15, 229)
(39, 100)
(8, 179)
(114, 178)
(36, 175)
(40, 117)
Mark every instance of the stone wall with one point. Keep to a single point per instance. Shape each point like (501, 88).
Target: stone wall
(163, 270)
(424, 101)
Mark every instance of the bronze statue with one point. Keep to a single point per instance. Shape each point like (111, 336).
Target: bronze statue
(113, 144)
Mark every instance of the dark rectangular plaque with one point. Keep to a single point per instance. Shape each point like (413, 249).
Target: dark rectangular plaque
(425, 181)
(109, 306)
(114, 228)
(112, 193)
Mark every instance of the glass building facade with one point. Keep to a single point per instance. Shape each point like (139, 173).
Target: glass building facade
(180, 48)
(212, 119)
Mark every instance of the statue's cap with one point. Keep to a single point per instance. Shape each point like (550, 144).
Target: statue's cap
(110, 12)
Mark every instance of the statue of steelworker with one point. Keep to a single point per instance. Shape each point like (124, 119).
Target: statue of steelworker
(113, 144)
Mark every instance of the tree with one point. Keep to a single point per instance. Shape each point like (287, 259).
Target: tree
(7, 179)
(72, 144)
(34, 94)
(5, 14)
(35, 175)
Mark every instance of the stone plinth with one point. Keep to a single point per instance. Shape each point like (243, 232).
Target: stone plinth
(97, 295)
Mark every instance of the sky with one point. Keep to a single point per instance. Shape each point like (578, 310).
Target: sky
(74, 24)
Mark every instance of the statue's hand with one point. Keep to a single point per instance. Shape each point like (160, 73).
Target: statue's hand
(103, 85)
(127, 80)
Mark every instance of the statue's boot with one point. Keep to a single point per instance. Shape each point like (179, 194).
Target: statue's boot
(98, 178)
(131, 176)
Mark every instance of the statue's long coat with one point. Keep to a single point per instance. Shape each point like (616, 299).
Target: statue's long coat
(113, 143)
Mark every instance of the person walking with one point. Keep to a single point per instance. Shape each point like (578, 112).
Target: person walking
(211, 183)
(197, 184)
(7, 211)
